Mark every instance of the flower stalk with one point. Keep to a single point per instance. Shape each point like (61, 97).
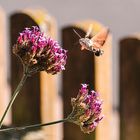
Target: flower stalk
(34, 126)
(15, 94)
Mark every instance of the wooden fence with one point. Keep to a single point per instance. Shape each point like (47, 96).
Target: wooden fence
(42, 100)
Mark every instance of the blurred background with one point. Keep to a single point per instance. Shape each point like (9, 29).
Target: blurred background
(46, 98)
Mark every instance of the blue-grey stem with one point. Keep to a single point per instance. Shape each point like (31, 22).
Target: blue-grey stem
(33, 126)
(16, 92)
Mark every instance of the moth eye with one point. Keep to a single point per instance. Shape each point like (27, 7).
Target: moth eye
(98, 52)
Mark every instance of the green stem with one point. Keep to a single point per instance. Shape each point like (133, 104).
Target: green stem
(16, 92)
(33, 126)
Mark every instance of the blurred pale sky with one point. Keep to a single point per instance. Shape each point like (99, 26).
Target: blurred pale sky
(122, 16)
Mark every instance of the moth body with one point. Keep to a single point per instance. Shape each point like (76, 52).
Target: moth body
(86, 43)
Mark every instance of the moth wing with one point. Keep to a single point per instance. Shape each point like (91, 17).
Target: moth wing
(89, 30)
(100, 38)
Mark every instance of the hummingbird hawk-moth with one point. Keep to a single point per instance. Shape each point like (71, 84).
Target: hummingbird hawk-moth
(95, 43)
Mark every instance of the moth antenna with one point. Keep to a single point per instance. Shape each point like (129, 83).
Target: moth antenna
(77, 33)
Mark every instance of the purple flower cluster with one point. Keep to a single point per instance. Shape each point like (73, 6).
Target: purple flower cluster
(86, 109)
(38, 52)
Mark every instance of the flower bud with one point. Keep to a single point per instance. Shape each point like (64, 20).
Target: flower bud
(86, 109)
(38, 52)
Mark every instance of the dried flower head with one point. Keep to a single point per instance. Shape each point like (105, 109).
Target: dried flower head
(86, 109)
(38, 52)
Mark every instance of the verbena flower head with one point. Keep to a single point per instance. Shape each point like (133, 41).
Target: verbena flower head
(38, 52)
(86, 109)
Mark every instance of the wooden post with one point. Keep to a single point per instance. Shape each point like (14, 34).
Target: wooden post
(84, 67)
(4, 87)
(26, 108)
(130, 88)
(79, 69)
(41, 95)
